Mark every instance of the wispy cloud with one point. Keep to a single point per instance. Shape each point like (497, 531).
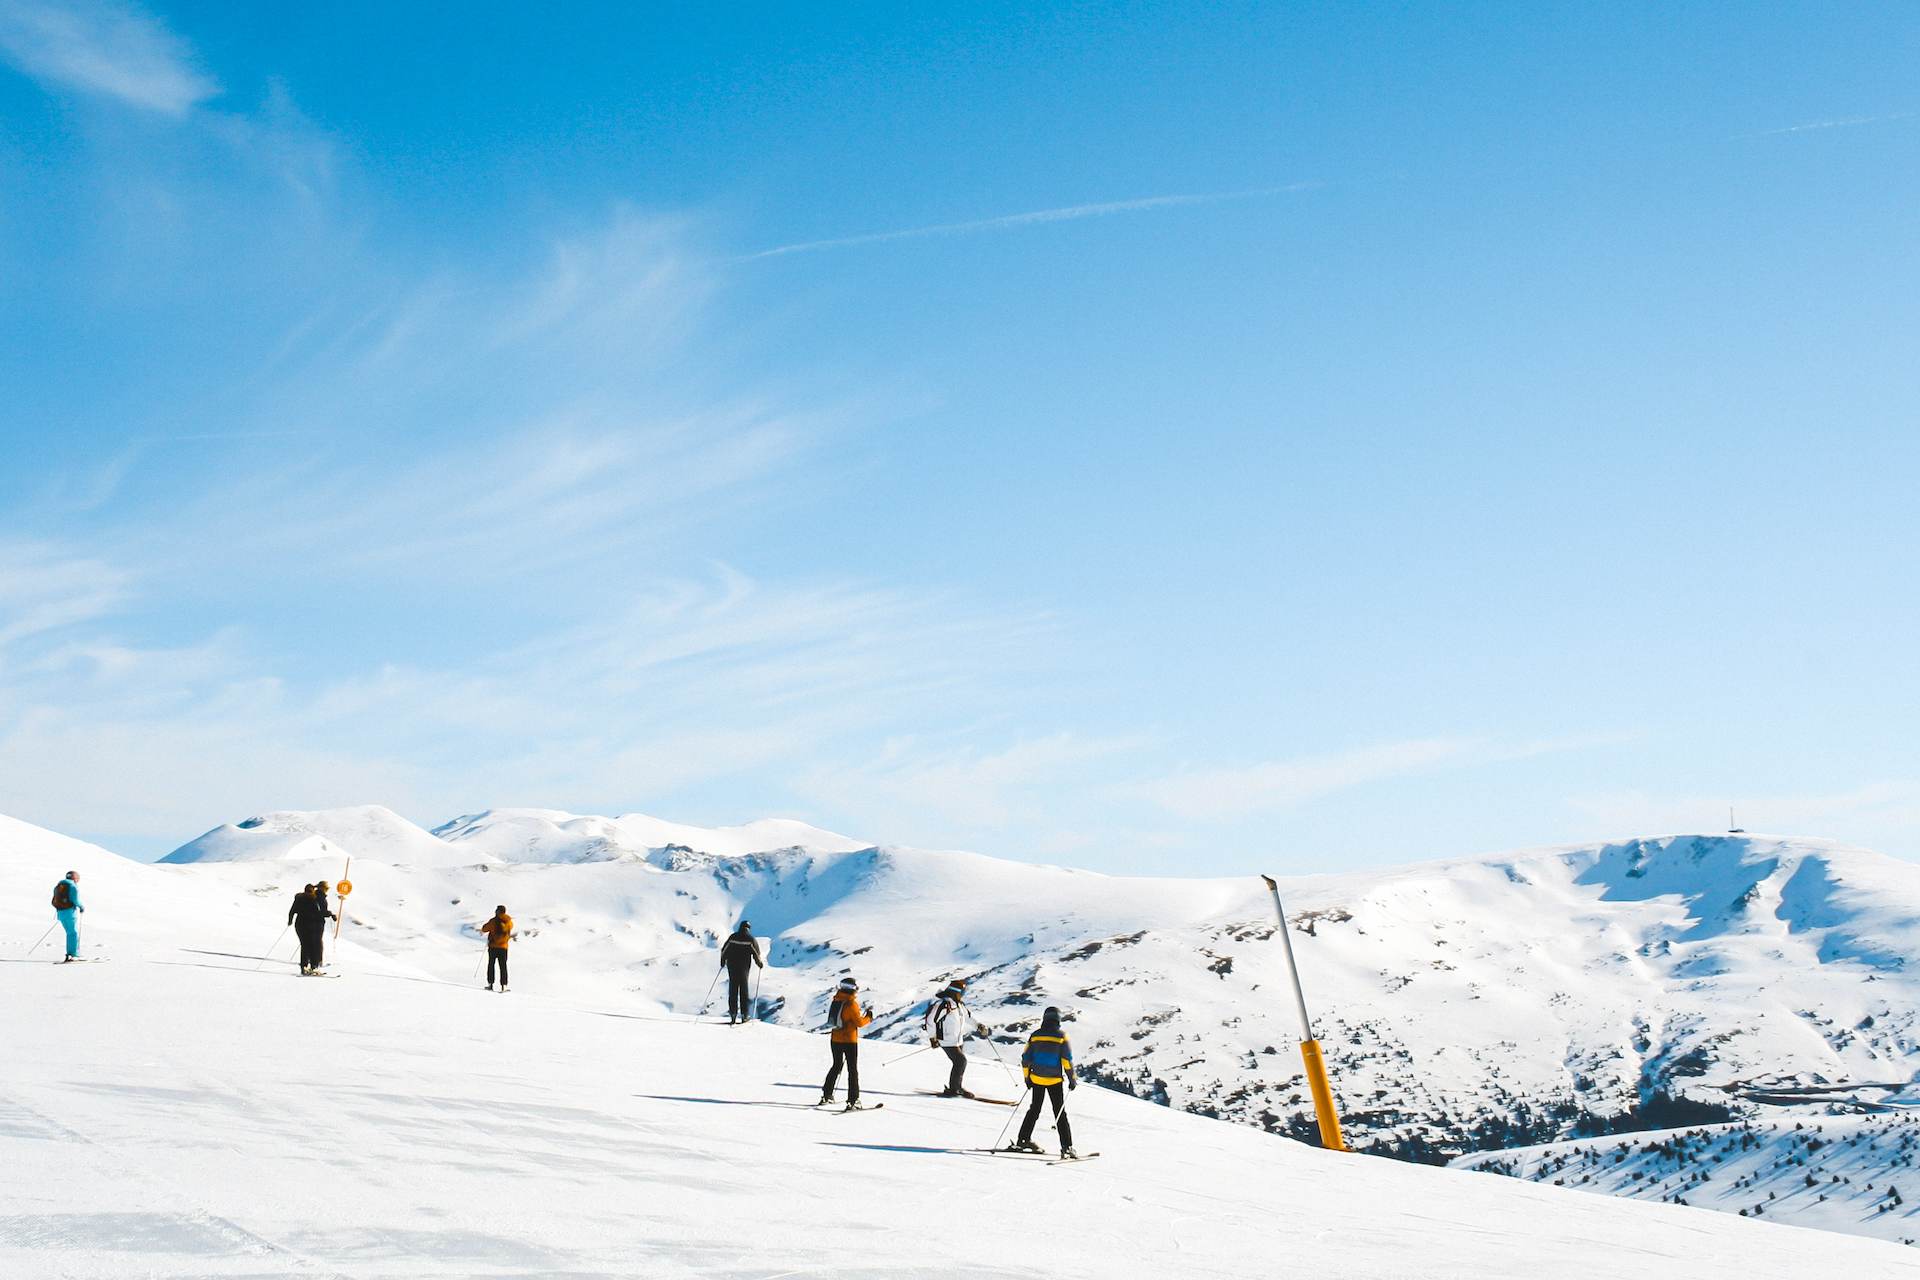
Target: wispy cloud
(103, 47)
(1839, 122)
(45, 588)
(1276, 785)
(1036, 217)
(914, 785)
(686, 683)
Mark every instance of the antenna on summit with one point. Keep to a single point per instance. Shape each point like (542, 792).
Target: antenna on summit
(1734, 828)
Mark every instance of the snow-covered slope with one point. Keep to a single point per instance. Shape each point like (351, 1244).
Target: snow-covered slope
(1842, 1173)
(1481, 1002)
(182, 1112)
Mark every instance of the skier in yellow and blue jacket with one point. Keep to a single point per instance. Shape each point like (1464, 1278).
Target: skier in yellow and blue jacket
(1049, 1066)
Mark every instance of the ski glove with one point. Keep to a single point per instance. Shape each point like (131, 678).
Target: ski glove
(1072, 1083)
(934, 1043)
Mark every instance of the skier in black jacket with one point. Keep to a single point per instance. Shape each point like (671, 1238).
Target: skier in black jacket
(739, 954)
(309, 916)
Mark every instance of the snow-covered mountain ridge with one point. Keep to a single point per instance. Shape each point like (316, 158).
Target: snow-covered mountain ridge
(1465, 1004)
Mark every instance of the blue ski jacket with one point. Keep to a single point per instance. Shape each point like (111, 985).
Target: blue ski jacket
(1048, 1059)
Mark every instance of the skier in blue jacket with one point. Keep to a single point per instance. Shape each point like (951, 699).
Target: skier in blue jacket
(66, 905)
(1049, 1065)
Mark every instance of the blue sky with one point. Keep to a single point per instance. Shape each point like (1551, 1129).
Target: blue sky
(1272, 437)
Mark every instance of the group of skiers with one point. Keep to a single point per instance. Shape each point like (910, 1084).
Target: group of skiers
(1047, 1062)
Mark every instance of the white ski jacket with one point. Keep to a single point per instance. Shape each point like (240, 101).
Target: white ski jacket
(949, 1022)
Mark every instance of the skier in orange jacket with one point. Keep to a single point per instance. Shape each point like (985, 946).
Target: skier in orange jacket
(499, 931)
(845, 1018)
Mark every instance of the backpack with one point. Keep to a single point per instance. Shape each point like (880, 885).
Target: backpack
(63, 896)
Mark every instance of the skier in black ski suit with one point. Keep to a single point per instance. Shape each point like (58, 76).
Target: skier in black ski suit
(739, 954)
(309, 916)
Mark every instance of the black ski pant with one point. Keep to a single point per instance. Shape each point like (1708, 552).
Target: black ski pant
(497, 956)
(310, 947)
(959, 1061)
(738, 1001)
(847, 1055)
(1058, 1093)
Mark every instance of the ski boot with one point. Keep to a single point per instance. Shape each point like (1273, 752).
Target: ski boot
(1027, 1147)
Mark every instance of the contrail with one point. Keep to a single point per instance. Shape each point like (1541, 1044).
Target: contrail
(1005, 222)
(1844, 122)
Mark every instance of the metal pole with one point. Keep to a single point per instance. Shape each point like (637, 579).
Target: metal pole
(1293, 968)
(1324, 1108)
(709, 999)
(43, 937)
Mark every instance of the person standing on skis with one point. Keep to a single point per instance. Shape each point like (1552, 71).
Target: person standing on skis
(948, 1023)
(1048, 1062)
(296, 911)
(66, 905)
(309, 915)
(499, 931)
(844, 1020)
(739, 954)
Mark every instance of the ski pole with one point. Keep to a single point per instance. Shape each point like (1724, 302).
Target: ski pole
(758, 974)
(476, 967)
(43, 937)
(1002, 1061)
(1011, 1113)
(903, 1057)
(270, 950)
(709, 999)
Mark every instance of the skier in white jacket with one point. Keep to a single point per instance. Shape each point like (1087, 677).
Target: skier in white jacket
(948, 1023)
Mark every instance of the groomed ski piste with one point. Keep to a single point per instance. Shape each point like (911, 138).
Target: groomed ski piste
(192, 1111)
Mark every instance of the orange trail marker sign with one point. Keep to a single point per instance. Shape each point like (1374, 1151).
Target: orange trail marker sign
(343, 889)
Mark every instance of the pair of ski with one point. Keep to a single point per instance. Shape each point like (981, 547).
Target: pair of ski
(849, 1108)
(1045, 1157)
